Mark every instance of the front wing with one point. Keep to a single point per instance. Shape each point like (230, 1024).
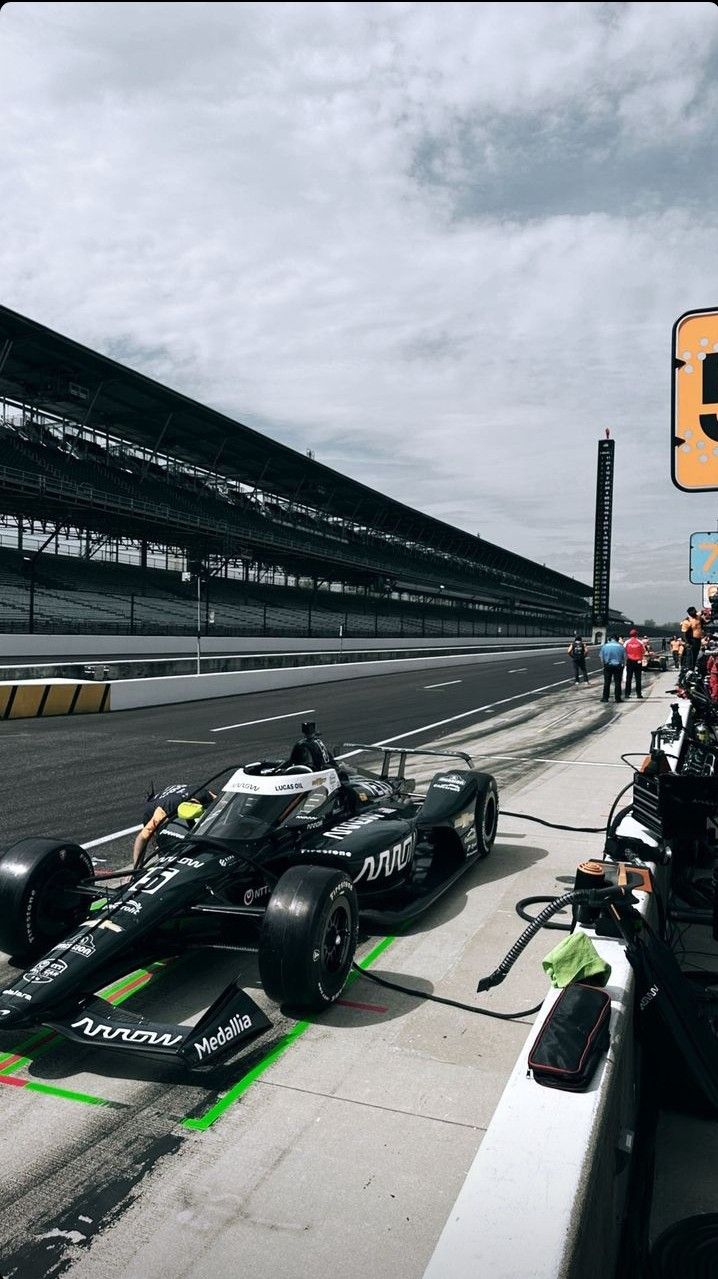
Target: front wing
(232, 1019)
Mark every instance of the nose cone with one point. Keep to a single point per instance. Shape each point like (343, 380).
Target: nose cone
(13, 1013)
(10, 1017)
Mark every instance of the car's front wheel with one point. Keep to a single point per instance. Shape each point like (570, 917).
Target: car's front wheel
(308, 937)
(486, 813)
(38, 904)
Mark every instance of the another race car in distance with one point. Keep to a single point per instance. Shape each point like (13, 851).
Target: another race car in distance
(653, 661)
(290, 858)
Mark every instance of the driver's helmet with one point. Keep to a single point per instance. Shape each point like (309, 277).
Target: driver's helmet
(311, 752)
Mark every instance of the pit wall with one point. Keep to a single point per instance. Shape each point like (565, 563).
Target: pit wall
(546, 1193)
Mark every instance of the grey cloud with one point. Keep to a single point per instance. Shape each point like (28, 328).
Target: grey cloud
(566, 165)
(441, 245)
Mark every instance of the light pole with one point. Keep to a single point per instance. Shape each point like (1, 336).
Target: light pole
(199, 625)
(195, 570)
(29, 560)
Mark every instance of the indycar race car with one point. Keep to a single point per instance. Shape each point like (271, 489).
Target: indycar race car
(289, 859)
(653, 661)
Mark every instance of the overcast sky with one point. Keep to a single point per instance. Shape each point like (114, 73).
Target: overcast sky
(442, 245)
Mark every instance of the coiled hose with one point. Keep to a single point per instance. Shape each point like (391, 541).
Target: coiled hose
(581, 897)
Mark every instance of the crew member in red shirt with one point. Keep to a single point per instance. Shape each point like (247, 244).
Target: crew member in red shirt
(635, 653)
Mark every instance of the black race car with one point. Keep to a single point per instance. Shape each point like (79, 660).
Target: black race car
(291, 857)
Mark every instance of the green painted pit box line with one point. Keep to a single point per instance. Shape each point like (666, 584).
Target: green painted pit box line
(40, 1042)
(203, 1122)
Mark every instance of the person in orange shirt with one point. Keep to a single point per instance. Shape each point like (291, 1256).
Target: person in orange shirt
(635, 653)
(692, 632)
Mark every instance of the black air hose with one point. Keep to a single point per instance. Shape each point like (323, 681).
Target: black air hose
(582, 897)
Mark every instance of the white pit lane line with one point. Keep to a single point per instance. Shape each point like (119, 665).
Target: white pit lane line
(269, 720)
(476, 710)
(188, 741)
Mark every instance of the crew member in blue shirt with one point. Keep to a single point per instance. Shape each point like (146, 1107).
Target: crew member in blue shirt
(613, 657)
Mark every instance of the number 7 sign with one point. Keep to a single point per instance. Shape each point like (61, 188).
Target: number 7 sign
(704, 557)
(694, 419)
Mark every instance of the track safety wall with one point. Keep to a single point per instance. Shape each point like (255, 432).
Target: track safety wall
(54, 647)
(32, 699)
(128, 694)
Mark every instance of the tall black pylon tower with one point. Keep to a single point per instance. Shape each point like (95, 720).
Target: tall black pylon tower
(602, 538)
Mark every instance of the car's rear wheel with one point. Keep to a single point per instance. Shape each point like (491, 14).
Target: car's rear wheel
(38, 904)
(486, 813)
(308, 937)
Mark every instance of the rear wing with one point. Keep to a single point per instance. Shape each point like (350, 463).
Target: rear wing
(402, 751)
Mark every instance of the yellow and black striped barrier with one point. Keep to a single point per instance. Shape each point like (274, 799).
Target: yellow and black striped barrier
(29, 699)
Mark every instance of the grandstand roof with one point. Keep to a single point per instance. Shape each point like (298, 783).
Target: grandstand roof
(60, 376)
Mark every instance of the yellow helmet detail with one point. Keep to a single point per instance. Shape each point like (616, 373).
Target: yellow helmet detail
(189, 810)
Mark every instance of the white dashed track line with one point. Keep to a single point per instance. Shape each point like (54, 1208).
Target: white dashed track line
(270, 719)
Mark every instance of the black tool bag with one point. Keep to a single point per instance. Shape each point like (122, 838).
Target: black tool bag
(677, 1030)
(573, 1038)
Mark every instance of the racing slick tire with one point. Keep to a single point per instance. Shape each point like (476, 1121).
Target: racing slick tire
(308, 937)
(486, 813)
(36, 881)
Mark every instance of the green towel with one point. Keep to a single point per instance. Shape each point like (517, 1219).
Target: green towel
(576, 959)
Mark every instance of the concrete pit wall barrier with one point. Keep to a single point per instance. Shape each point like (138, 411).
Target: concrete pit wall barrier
(546, 1193)
(31, 699)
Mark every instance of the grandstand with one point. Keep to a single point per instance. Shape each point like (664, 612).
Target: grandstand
(111, 485)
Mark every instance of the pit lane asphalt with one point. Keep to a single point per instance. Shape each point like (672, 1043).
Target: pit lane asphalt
(87, 777)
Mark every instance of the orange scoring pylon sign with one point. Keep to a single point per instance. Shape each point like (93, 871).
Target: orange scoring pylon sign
(694, 424)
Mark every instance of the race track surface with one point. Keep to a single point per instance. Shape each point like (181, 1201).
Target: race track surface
(88, 777)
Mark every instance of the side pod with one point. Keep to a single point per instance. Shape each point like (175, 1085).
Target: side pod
(449, 796)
